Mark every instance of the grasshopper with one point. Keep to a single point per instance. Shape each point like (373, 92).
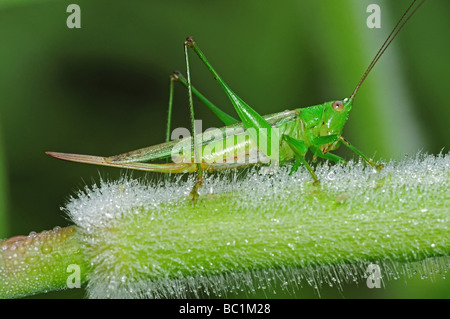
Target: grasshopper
(317, 129)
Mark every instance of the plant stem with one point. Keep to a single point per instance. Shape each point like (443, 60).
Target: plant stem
(147, 240)
(39, 262)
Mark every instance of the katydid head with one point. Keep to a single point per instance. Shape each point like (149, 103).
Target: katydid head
(335, 114)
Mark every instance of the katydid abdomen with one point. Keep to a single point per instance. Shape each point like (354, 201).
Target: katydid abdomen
(230, 145)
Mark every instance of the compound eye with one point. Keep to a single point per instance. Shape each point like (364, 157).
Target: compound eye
(338, 106)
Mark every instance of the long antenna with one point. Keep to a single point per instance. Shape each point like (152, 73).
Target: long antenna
(400, 24)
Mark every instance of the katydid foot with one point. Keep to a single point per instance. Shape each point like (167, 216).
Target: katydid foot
(194, 192)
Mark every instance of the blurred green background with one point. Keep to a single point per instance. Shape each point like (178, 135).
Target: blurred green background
(103, 89)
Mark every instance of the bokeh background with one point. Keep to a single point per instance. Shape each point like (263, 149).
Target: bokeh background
(103, 89)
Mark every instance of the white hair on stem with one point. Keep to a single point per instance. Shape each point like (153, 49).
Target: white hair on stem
(262, 231)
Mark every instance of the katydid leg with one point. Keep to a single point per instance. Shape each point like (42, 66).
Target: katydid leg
(197, 158)
(364, 157)
(321, 140)
(224, 117)
(334, 138)
(169, 117)
(328, 156)
(299, 148)
(169, 112)
(249, 117)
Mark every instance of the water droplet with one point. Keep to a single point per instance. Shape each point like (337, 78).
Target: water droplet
(32, 259)
(46, 248)
(57, 256)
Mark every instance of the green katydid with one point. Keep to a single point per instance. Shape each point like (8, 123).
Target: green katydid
(315, 128)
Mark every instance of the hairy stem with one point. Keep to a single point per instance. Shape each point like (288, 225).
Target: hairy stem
(147, 240)
(41, 262)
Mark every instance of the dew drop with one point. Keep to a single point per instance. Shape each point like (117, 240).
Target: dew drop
(46, 248)
(32, 259)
